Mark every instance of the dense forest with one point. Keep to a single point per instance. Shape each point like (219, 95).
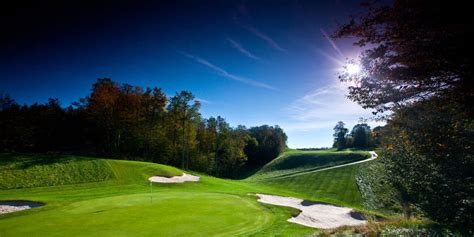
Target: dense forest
(131, 122)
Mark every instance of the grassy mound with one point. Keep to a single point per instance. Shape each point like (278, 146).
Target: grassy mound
(28, 171)
(296, 161)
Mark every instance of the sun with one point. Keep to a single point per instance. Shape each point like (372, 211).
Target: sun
(353, 69)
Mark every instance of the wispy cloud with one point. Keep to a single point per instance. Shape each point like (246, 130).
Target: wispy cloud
(203, 101)
(222, 72)
(322, 108)
(306, 126)
(244, 51)
(327, 102)
(266, 38)
(333, 44)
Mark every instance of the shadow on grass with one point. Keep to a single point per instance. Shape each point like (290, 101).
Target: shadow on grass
(20, 203)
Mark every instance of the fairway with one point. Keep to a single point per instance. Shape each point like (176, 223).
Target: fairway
(333, 186)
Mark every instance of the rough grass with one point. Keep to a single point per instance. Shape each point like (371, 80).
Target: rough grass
(295, 161)
(27, 171)
(400, 227)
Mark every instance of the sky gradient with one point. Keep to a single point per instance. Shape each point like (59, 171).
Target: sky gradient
(251, 62)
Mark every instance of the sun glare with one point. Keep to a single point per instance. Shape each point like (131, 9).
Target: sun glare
(353, 69)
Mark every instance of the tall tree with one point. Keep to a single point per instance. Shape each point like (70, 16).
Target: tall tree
(102, 109)
(184, 114)
(361, 135)
(270, 143)
(340, 133)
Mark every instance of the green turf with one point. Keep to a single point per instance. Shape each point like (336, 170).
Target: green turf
(295, 161)
(139, 215)
(121, 206)
(124, 204)
(26, 171)
(334, 186)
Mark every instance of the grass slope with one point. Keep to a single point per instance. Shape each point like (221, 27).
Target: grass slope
(336, 186)
(296, 161)
(27, 171)
(297, 172)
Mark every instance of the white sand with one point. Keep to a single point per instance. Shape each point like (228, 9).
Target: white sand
(175, 179)
(323, 216)
(4, 209)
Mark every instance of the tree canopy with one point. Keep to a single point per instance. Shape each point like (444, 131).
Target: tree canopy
(416, 63)
(413, 50)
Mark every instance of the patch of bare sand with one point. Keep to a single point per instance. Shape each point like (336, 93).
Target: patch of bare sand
(14, 206)
(316, 215)
(175, 179)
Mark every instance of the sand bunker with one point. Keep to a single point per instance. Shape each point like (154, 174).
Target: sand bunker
(14, 206)
(175, 179)
(317, 215)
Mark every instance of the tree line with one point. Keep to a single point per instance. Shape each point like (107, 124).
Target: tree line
(360, 137)
(131, 122)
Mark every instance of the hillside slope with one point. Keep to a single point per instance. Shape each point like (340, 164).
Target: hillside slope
(296, 161)
(300, 172)
(28, 171)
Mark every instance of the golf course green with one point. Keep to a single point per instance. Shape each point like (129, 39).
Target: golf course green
(87, 196)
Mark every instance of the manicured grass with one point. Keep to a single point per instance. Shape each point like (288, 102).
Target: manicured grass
(168, 214)
(295, 161)
(336, 186)
(121, 202)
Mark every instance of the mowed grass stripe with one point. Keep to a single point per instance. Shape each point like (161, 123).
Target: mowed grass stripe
(335, 186)
(295, 162)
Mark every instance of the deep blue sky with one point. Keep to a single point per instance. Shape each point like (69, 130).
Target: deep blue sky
(252, 62)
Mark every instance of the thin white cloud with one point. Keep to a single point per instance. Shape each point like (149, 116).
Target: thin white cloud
(306, 126)
(241, 49)
(322, 108)
(324, 103)
(222, 72)
(266, 38)
(333, 44)
(203, 101)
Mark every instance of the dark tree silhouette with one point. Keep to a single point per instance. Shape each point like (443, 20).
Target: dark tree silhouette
(417, 63)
